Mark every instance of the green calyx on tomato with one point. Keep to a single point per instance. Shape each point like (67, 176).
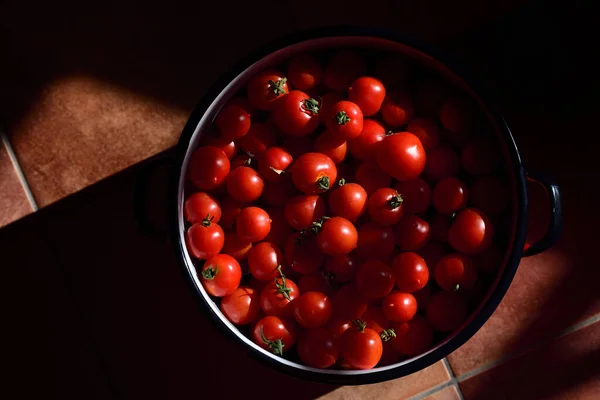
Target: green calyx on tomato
(276, 346)
(311, 105)
(206, 222)
(395, 201)
(341, 182)
(210, 273)
(342, 118)
(282, 287)
(389, 133)
(387, 334)
(316, 226)
(359, 325)
(323, 183)
(278, 87)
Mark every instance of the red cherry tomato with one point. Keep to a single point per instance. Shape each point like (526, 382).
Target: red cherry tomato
(397, 109)
(301, 211)
(442, 162)
(304, 71)
(264, 259)
(371, 177)
(410, 271)
(209, 166)
(277, 297)
(343, 268)
(427, 132)
(253, 224)
(297, 145)
(412, 233)
(385, 207)
(471, 232)
(489, 194)
(416, 194)
(313, 173)
(480, 157)
(349, 201)
(413, 337)
(318, 348)
(345, 121)
(375, 242)
(361, 347)
(368, 93)
(399, 307)
(297, 114)
(243, 160)
(274, 334)
(365, 144)
(236, 247)
(348, 303)
(302, 254)
(260, 137)
(200, 205)
(337, 236)
(343, 68)
(230, 209)
(374, 279)
(242, 306)
(327, 102)
(230, 148)
(455, 271)
(277, 193)
(233, 122)
(273, 162)
(331, 146)
(312, 310)
(446, 311)
(266, 88)
(402, 156)
(205, 239)
(457, 115)
(220, 275)
(245, 184)
(280, 229)
(316, 282)
(450, 195)
(375, 319)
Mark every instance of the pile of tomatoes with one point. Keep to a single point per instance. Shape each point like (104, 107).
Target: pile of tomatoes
(343, 210)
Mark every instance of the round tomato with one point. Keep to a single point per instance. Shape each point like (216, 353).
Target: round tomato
(446, 311)
(312, 310)
(427, 132)
(317, 282)
(277, 296)
(205, 239)
(301, 211)
(375, 319)
(242, 306)
(266, 88)
(361, 347)
(401, 155)
(342, 268)
(230, 209)
(331, 146)
(200, 206)
(348, 303)
(336, 236)
(209, 166)
(471, 232)
(338, 326)
(343, 68)
(245, 184)
(413, 337)
(371, 177)
(416, 194)
(348, 200)
(399, 307)
(364, 145)
(318, 348)
(412, 233)
(280, 229)
(220, 275)
(455, 271)
(327, 102)
(243, 160)
(304, 71)
(345, 120)
(302, 254)
(273, 162)
(480, 157)
(442, 162)
(374, 279)
(489, 194)
(297, 114)
(375, 242)
(264, 260)
(431, 253)
(297, 145)
(233, 122)
(457, 115)
(236, 247)
(313, 173)
(274, 334)
(278, 193)
(385, 207)
(230, 148)
(368, 93)
(449, 195)
(410, 271)
(397, 109)
(253, 224)
(258, 140)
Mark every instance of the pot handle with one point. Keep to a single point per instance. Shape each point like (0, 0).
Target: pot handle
(555, 222)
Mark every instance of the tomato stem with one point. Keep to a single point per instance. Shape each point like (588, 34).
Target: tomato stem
(276, 346)
(387, 334)
(210, 273)
(323, 183)
(207, 221)
(342, 118)
(277, 87)
(316, 226)
(341, 182)
(390, 133)
(396, 201)
(359, 324)
(311, 105)
(282, 287)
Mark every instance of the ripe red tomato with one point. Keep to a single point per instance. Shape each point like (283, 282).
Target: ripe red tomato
(371, 177)
(318, 348)
(365, 144)
(439, 225)
(297, 114)
(220, 275)
(277, 193)
(412, 233)
(205, 239)
(442, 162)
(337, 236)
(385, 207)
(338, 326)
(368, 93)
(457, 115)
(274, 334)
(375, 242)
(200, 206)
(343, 68)
(345, 121)
(471, 232)
(455, 271)
(209, 166)
(243, 160)
(304, 71)
(342, 268)
(410, 271)
(313, 173)
(480, 157)
(273, 162)
(245, 184)
(413, 337)
(489, 194)
(301, 211)
(264, 259)
(327, 102)
(399, 307)
(397, 109)
(312, 310)
(349, 200)
(266, 88)
(253, 224)
(229, 148)
(317, 282)
(402, 156)
(416, 194)
(348, 303)
(375, 319)
(302, 254)
(297, 145)
(374, 279)
(233, 122)
(427, 132)
(450, 195)
(242, 306)
(260, 137)
(446, 311)
(277, 296)
(236, 247)
(331, 146)
(280, 229)
(230, 209)
(361, 347)
(431, 253)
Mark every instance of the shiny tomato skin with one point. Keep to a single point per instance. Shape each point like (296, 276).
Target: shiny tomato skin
(471, 232)
(371, 177)
(233, 122)
(221, 275)
(263, 260)
(200, 205)
(313, 173)
(253, 224)
(229, 148)
(332, 147)
(203, 241)
(302, 254)
(327, 102)
(455, 271)
(274, 328)
(337, 236)
(236, 247)
(342, 69)
(266, 89)
(402, 156)
(318, 348)
(412, 233)
(273, 301)
(413, 337)
(348, 303)
(364, 145)
(301, 211)
(374, 279)
(343, 268)
(442, 162)
(368, 93)
(348, 201)
(345, 120)
(427, 132)
(416, 194)
(312, 310)
(361, 350)
(375, 242)
(410, 271)
(304, 71)
(446, 311)
(450, 195)
(489, 194)
(260, 137)
(385, 207)
(209, 166)
(399, 307)
(245, 184)
(296, 114)
(274, 158)
(397, 109)
(242, 306)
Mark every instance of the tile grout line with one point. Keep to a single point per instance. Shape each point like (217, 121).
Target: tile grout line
(453, 378)
(451, 382)
(20, 174)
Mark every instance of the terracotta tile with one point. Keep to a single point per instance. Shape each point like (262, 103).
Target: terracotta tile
(447, 393)
(566, 368)
(396, 389)
(13, 200)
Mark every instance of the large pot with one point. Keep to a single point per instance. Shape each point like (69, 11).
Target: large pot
(335, 38)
